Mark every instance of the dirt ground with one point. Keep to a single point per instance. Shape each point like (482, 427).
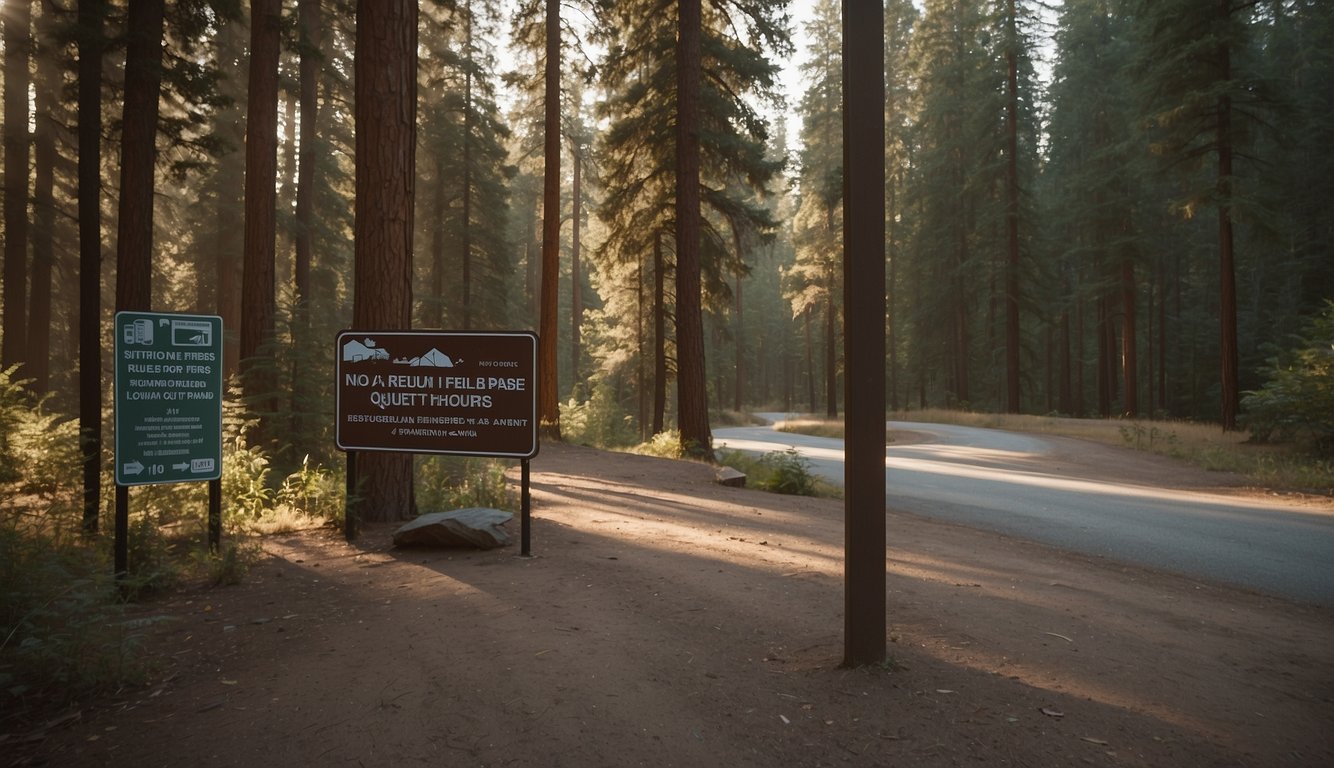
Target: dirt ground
(668, 621)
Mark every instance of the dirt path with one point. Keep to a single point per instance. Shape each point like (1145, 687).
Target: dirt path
(668, 621)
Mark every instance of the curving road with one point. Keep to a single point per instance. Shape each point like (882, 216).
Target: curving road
(1003, 481)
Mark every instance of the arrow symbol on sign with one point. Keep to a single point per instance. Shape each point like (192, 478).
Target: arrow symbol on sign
(132, 468)
(183, 466)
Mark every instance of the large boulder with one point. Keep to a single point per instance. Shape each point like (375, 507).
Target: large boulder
(477, 527)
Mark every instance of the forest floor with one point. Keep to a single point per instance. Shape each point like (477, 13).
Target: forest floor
(669, 621)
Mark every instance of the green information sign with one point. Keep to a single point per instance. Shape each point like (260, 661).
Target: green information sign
(168, 398)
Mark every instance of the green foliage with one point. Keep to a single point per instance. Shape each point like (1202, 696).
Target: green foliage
(598, 421)
(13, 404)
(786, 472)
(449, 482)
(1297, 401)
(245, 473)
(665, 444)
(62, 630)
(312, 491)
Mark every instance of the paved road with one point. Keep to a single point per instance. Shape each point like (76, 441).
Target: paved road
(1002, 481)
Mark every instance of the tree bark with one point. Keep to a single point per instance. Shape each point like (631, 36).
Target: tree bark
(436, 308)
(91, 44)
(38, 364)
(1012, 402)
(261, 170)
(229, 227)
(576, 280)
(548, 405)
(831, 350)
(1129, 346)
(659, 335)
(18, 43)
(1227, 304)
(310, 23)
(386, 122)
(143, 81)
(691, 393)
(466, 217)
(739, 384)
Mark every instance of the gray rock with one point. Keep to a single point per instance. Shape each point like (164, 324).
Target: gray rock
(473, 527)
(731, 477)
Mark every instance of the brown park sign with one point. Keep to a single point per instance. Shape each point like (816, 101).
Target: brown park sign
(465, 393)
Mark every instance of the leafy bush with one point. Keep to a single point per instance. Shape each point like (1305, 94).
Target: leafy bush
(62, 629)
(13, 403)
(1297, 402)
(599, 421)
(665, 445)
(786, 472)
(447, 482)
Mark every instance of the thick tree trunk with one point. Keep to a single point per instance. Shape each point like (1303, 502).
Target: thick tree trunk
(641, 379)
(261, 170)
(831, 351)
(1129, 347)
(228, 224)
(310, 21)
(386, 121)
(810, 362)
(738, 394)
(548, 382)
(576, 279)
(310, 31)
(38, 366)
(143, 81)
(1012, 403)
(1106, 369)
(691, 393)
(1227, 303)
(435, 312)
(659, 335)
(91, 44)
(18, 44)
(466, 217)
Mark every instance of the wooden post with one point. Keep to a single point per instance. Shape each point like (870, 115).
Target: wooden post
(121, 545)
(525, 512)
(215, 515)
(864, 330)
(351, 514)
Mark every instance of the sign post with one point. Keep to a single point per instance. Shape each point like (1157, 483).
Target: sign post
(168, 405)
(447, 392)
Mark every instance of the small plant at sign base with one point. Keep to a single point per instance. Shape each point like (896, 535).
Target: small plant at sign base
(787, 472)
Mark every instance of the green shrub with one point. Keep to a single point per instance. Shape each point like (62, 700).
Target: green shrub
(14, 403)
(665, 445)
(450, 482)
(787, 472)
(1297, 401)
(62, 628)
(599, 421)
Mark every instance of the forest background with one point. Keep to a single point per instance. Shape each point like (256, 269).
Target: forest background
(1106, 208)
